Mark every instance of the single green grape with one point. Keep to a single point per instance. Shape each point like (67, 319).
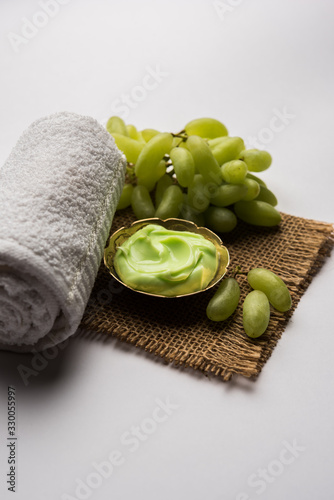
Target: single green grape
(163, 183)
(258, 213)
(141, 203)
(225, 301)
(253, 189)
(255, 178)
(171, 203)
(151, 154)
(234, 172)
(148, 133)
(130, 147)
(226, 149)
(198, 196)
(206, 127)
(160, 170)
(151, 181)
(227, 194)
(116, 124)
(204, 161)
(266, 195)
(134, 134)
(125, 198)
(256, 159)
(184, 166)
(256, 313)
(220, 219)
(272, 285)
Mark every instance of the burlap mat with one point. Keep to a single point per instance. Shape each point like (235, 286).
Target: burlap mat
(178, 330)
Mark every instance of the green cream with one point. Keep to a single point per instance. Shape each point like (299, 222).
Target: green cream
(165, 262)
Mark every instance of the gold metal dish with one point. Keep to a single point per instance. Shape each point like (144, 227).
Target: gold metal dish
(122, 234)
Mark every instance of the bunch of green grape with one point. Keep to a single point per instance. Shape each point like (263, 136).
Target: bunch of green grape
(268, 288)
(200, 174)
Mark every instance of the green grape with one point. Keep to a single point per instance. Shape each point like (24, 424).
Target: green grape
(204, 161)
(116, 124)
(140, 137)
(171, 203)
(216, 141)
(160, 170)
(148, 133)
(141, 203)
(183, 164)
(255, 178)
(225, 301)
(153, 151)
(253, 189)
(256, 313)
(272, 285)
(227, 194)
(258, 213)
(266, 195)
(134, 134)
(198, 197)
(188, 213)
(130, 147)
(125, 198)
(206, 127)
(256, 160)
(163, 183)
(219, 219)
(226, 149)
(150, 182)
(234, 172)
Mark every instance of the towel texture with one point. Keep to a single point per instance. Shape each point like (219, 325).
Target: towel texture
(58, 193)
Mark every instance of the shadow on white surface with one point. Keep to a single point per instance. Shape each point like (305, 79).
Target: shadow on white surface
(237, 382)
(35, 369)
(40, 371)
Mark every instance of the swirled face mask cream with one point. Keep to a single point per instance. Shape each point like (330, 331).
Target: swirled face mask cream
(166, 262)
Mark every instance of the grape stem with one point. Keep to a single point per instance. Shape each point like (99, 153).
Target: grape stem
(237, 270)
(130, 171)
(181, 135)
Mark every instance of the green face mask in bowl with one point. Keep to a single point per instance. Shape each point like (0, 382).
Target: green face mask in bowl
(166, 258)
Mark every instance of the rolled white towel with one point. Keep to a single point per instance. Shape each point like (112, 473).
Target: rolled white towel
(58, 194)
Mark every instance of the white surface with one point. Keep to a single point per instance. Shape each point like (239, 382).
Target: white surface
(239, 67)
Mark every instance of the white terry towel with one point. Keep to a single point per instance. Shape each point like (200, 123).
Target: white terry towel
(58, 193)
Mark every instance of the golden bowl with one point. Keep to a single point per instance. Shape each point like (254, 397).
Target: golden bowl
(122, 234)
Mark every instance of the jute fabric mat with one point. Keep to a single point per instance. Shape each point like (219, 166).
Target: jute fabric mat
(178, 330)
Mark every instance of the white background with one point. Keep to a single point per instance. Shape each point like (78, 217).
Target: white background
(241, 62)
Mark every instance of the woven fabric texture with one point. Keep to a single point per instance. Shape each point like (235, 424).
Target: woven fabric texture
(178, 330)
